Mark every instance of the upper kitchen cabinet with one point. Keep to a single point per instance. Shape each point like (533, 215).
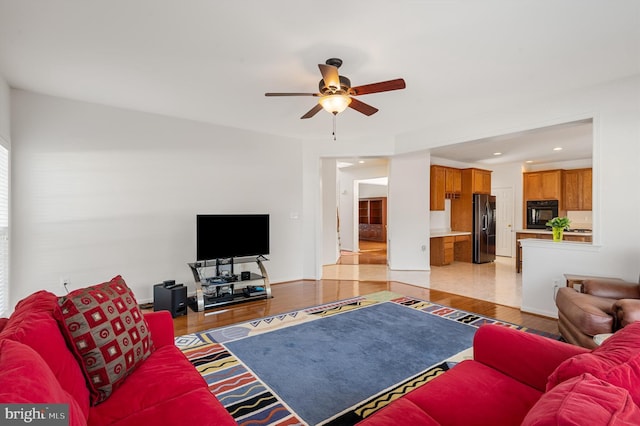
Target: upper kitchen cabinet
(452, 182)
(544, 185)
(577, 189)
(446, 182)
(478, 180)
(437, 187)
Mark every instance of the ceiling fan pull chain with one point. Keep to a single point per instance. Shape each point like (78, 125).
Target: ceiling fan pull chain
(334, 126)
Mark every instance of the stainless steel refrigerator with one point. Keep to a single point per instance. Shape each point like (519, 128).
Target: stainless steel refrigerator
(484, 228)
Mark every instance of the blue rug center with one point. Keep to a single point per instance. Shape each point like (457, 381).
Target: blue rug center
(323, 367)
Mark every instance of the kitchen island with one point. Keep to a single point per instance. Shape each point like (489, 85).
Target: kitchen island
(575, 236)
(447, 246)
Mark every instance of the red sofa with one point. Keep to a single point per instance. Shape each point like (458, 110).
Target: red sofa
(522, 378)
(37, 366)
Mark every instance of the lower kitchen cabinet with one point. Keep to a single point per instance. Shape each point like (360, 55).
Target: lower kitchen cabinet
(444, 250)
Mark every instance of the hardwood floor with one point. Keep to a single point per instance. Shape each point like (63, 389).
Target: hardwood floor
(296, 295)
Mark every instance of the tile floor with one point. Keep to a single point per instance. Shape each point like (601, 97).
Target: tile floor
(495, 282)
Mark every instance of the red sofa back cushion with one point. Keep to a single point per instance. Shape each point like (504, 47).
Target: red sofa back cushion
(33, 324)
(584, 400)
(616, 361)
(26, 378)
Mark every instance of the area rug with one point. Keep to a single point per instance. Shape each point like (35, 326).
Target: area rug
(333, 364)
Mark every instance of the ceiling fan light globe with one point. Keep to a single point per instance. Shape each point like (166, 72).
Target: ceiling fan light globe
(335, 104)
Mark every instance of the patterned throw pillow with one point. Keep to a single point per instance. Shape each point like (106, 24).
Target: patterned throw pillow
(107, 332)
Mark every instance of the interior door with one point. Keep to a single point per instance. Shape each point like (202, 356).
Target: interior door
(504, 221)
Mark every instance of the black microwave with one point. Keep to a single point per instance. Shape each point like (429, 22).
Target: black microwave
(540, 212)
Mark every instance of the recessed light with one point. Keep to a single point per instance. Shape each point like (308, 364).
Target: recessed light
(558, 148)
(361, 162)
(529, 161)
(497, 153)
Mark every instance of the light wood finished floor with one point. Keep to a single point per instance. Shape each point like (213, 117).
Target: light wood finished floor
(296, 295)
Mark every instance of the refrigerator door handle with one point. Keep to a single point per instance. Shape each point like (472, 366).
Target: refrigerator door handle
(485, 222)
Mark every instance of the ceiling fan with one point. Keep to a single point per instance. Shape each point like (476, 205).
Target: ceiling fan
(336, 93)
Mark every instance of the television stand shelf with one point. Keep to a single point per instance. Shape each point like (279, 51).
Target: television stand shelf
(223, 287)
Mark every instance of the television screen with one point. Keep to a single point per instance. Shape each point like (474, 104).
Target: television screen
(220, 236)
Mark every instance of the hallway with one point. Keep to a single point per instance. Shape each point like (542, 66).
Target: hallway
(495, 282)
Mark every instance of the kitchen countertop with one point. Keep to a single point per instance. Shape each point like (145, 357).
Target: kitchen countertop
(440, 234)
(544, 231)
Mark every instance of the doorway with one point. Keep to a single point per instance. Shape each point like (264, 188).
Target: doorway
(370, 221)
(363, 179)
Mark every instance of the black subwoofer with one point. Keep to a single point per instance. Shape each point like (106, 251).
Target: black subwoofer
(172, 299)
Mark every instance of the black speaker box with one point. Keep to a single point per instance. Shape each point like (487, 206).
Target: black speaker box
(245, 275)
(172, 299)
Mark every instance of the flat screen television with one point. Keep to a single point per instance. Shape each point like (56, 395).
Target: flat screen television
(222, 236)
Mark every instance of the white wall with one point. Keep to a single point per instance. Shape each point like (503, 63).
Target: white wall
(370, 190)
(408, 212)
(330, 252)
(5, 115)
(615, 109)
(100, 191)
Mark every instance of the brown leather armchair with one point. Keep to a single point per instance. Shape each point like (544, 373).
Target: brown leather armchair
(602, 306)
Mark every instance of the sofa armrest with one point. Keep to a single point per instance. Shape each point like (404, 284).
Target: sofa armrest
(626, 311)
(160, 327)
(611, 289)
(526, 357)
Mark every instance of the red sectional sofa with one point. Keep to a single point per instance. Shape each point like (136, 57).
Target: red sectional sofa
(38, 366)
(522, 378)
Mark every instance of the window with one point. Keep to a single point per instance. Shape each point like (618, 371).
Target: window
(4, 231)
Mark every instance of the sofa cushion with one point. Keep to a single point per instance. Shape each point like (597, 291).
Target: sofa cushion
(33, 324)
(400, 411)
(174, 393)
(488, 396)
(107, 333)
(616, 361)
(26, 378)
(583, 399)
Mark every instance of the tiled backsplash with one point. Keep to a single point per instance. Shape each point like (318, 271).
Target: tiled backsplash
(580, 219)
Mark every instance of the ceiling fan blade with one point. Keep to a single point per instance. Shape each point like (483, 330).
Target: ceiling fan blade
(360, 106)
(383, 86)
(313, 111)
(292, 94)
(330, 75)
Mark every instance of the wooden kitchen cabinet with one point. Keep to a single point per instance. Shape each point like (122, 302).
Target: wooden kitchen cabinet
(437, 187)
(478, 180)
(372, 213)
(474, 181)
(577, 189)
(543, 185)
(452, 181)
(578, 238)
(442, 250)
(446, 183)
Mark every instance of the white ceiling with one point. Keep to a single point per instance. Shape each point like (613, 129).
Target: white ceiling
(554, 144)
(213, 61)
